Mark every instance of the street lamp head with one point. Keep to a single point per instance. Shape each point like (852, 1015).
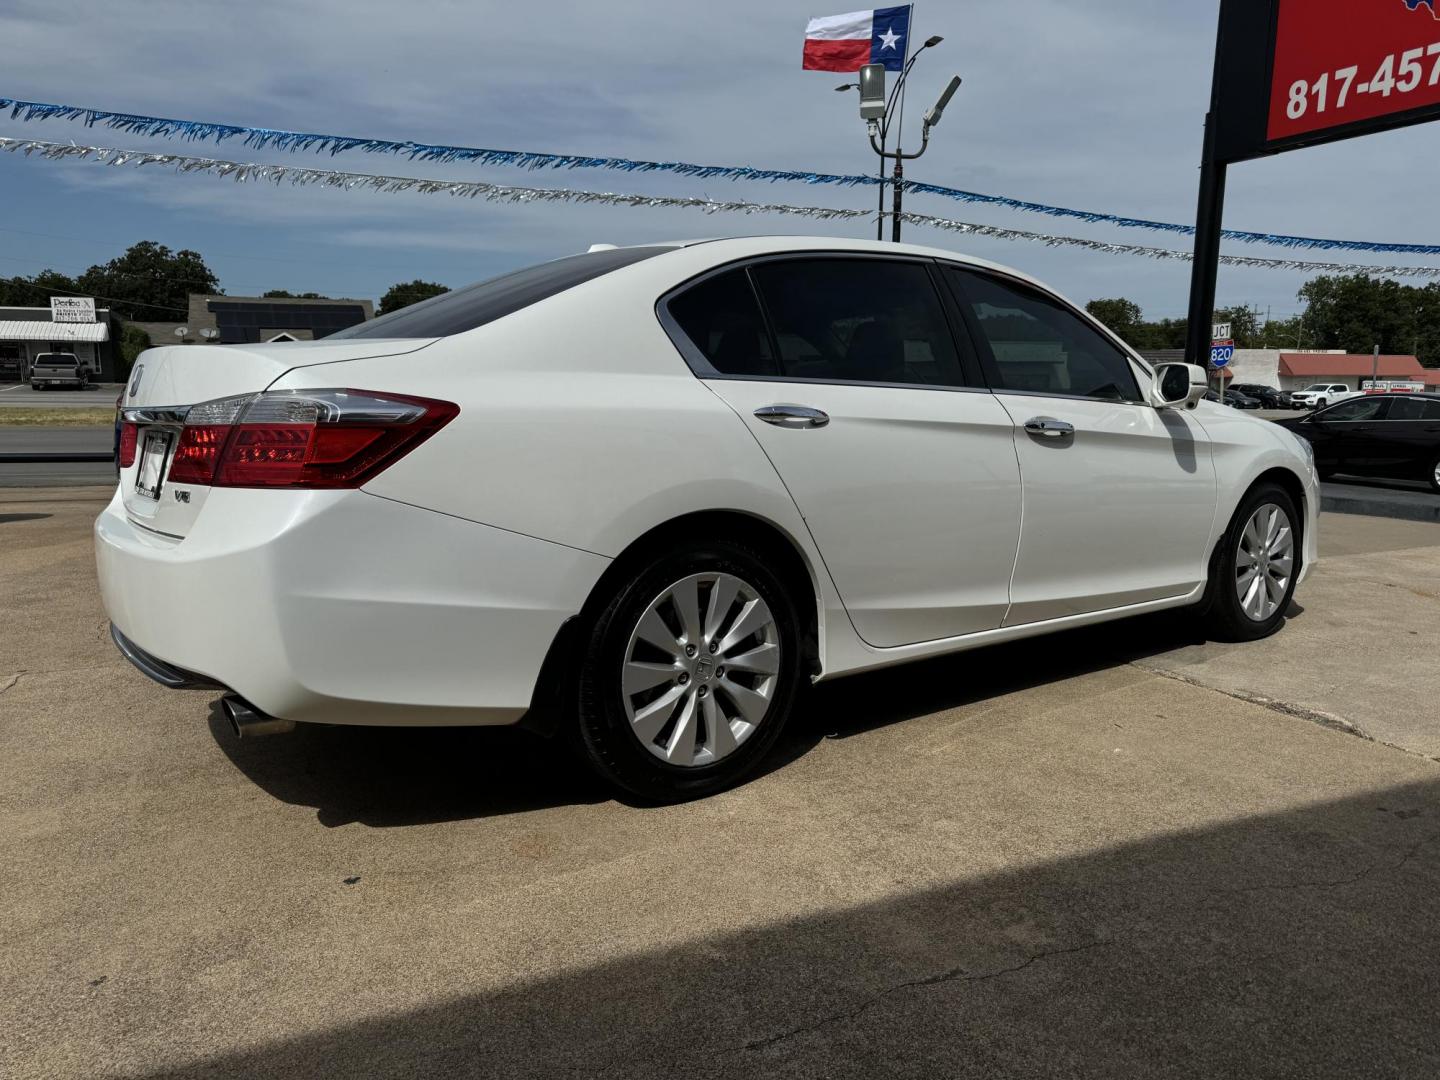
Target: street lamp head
(933, 116)
(932, 41)
(847, 86)
(872, 92)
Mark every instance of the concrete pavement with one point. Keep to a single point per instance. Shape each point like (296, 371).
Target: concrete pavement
(1089, 855)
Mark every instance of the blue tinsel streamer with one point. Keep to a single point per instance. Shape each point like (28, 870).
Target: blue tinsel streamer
(199, 131)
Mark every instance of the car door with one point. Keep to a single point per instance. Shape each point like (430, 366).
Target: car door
(1350, 434)
(1119, 496)
(854, 383)
(1407, 437)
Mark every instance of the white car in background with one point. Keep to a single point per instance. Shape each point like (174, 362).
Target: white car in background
(1318, 395)
(637, 497)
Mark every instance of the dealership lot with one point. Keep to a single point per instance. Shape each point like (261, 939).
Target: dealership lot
(1120, 850)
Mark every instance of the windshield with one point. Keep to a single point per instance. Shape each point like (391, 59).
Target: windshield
(475, 305)
(1318, 386)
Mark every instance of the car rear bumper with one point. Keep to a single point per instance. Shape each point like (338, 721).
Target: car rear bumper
(341, 607)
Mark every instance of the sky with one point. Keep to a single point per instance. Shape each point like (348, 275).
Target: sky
(1097, 104)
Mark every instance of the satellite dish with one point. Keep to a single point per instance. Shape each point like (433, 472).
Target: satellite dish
(181, 331)
(209, 333)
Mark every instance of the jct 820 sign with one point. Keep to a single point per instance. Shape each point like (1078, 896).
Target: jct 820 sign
(1341, 62)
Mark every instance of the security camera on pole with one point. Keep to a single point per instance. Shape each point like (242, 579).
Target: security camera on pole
(873, 42)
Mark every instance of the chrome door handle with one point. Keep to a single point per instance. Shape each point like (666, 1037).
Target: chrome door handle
(1048, 427)
(792, 416)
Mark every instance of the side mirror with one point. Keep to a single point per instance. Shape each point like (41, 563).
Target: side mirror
(1177, 385)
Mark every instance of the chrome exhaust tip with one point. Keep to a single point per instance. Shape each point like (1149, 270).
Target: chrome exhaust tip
(249, 722)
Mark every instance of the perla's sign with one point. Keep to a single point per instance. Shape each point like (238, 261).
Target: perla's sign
(71, 309)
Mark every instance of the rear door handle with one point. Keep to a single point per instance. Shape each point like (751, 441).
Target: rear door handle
(1047, 427)
(792, 416)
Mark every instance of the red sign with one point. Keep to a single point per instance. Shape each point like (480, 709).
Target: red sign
(1342, 61)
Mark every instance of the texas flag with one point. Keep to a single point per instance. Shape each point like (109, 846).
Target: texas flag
(849, 42)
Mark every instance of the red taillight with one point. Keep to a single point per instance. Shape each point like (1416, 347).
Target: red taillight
(305, 439)
(198, 454)
(129, 436)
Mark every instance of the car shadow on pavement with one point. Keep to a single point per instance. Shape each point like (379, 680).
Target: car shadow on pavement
(1299, 941)
(387, 777)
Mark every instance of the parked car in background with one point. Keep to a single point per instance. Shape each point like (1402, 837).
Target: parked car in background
(1233, 399)
(1318, 395)
(1395, 436)
(636, 498)
(52, 369)
(1268, 396)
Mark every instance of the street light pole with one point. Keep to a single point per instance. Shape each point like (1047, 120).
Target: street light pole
(876, 109)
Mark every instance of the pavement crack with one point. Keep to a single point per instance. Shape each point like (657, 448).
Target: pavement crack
(957, 974)
(9, 682)
(1335, 883)
(1284, 708)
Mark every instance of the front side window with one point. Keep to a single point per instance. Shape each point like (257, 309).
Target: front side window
(858, 320)
(1038, 345)
(1368, 408)
(722, 320)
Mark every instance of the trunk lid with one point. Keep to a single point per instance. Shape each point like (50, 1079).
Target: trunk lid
(168, 380)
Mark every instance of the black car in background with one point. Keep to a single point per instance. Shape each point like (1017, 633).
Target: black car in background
(1268, 396)
(1234, 399)
(1396, 436)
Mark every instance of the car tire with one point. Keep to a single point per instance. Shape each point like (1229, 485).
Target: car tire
(1434, 476)
(673, 750)
(1234, 610)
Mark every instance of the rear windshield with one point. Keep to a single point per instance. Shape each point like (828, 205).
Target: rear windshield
(475, 305)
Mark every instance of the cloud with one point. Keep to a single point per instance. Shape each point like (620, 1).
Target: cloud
(1095, 105)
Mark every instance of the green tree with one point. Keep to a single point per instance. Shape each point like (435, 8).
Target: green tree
(407, 293)
(149, 281)
(36, 291)
(283, 294)
(1119, 314)
(1244, 325)
(1355, 312)
(133, 341)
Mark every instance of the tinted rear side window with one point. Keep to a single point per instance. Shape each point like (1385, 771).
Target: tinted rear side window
(1408, 408)
(475, 305)
(859, 320)
(722, 319)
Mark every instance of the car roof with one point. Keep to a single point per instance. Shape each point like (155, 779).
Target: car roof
(727, 248)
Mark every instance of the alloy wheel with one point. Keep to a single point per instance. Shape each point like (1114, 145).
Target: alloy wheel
(701, 669)
(1264, 562)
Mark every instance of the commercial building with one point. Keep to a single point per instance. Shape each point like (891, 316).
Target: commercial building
(1297, 370)
(1287, 370)
(90, 333)
(241, 320)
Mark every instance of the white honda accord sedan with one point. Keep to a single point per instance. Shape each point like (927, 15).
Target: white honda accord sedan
(636, 498)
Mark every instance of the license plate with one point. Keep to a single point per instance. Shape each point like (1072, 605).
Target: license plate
(152, 463)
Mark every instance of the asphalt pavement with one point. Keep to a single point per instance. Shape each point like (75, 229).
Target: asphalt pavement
(14, 394)
(1122, 851)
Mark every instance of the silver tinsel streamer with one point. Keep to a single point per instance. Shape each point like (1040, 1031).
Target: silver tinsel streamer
(504, 193)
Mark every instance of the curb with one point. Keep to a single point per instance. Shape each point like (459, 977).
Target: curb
(1372, 507)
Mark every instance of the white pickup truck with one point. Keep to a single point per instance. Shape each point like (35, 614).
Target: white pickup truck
(58, 369)
(1318, 395)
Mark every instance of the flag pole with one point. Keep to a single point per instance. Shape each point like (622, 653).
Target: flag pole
(899, 159)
